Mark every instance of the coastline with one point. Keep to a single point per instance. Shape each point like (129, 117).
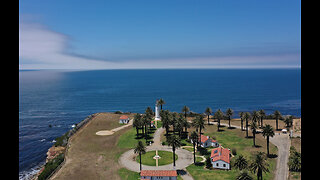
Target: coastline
(39, 168)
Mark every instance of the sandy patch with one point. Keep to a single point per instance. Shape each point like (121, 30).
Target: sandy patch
(104, 133)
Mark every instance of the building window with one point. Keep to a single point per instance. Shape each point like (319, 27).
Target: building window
(217, 164)
(224, 165)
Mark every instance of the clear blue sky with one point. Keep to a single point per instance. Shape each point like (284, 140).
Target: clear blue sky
(180, 31)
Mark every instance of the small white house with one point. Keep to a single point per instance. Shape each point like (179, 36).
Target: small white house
(158, 174)
(284, 131)
(220, 158)
(207, 142)
(124, 119)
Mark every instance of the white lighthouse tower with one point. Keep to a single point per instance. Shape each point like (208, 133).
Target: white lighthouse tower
(157, 110)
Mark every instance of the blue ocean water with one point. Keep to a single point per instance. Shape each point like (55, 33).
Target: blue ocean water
(63, 98)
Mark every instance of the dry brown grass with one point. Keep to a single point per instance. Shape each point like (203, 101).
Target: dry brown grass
(91, 156)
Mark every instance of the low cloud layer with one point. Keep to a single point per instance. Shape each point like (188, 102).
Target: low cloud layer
(41, 48)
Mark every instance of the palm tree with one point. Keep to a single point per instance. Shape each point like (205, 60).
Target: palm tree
(246, 116)
(253, 127)
(186, 124)
(262, 115)
(148, 116)
(208, 111)
(137, 122)
(166, 120)
(259, 164)
(161, 102)
(185, 110)
(240, 162)
(175, 142)
(277, 116)
(255, 116)
(194, 137)
(288, 120)
(218, 115)
(198, 123)
(244, 175)
(140, 149)
(267, 132)
(241, 117)
(229, 113)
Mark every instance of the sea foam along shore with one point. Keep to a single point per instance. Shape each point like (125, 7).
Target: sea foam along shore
(33, 173)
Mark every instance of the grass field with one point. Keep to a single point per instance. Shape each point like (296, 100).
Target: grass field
(147, 159)
(91, 156)
(125, 174)
(232, 138)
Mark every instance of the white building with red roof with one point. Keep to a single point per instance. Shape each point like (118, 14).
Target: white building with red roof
(158, 174)
(220, 158)
(206, 141)
(124, 119)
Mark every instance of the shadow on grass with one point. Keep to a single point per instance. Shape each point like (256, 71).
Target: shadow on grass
(203, 151)
(199, 164)
(257, 146)
(272, 156)
(181, 172)
(231, 127)
(221, 130)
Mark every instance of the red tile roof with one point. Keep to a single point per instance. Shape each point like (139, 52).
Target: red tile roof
(124, 117)
(203, 138)
(220, 154)
(158, 173)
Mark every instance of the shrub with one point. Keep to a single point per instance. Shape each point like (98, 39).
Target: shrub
(118, 112)
(51, 166)
(62, 140)
(234, 151)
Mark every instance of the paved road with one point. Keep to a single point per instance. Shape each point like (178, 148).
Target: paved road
(283, 143)
(185, 158)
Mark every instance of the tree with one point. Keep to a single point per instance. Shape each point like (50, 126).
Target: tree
(255, 116)
(186, 124)
(185, 110)
(194, 137)
(241, 118)
(179, 125)
(208, 112)
(229, 113)
(277, 116)
(161, 102)
(244, 175)
(208, 162)
(288, 120)
(166, 120)
(259, 164)
(253, 127)
(198, 123)
(140, 149)
(218, 115)
(148, 116)
(262, 115)
(267, 132)
(137, 122)
(240, 163)
(175, 142)
(294, 160)
(246, 116)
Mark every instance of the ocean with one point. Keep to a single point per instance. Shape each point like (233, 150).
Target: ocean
(63, 98)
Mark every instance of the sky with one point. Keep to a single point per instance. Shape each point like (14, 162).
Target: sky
(151, 34)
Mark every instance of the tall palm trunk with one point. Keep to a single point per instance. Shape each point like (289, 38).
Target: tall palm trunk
(241, 124)
(254, 139)
(268, 145)
(229, 122)
(194, 152)
(185, 115)
(140, 161)
(247, 128)
(261, 122)
(277, 123)
(174, 159)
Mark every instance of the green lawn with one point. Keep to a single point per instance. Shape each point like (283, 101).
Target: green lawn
(147, 159)
(126, 174)
(232, 138)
